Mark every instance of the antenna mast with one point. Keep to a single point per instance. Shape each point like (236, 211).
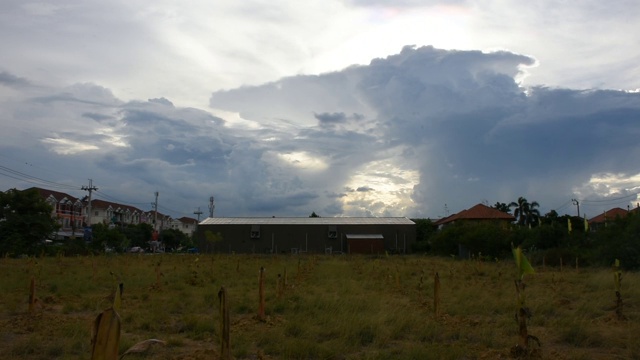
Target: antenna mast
(212, 206)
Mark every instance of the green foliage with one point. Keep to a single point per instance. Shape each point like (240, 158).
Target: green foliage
(502, 207)
(108, 238)
(138, 235)
(526, 212)
(425, 229)
(618, 240)
(173, 238)
(522, 264)
(487, 237)
(25, 222)
(445, 241)
(542, 237)
(314, 215)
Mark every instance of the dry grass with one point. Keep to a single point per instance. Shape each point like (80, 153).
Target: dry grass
(333, 307)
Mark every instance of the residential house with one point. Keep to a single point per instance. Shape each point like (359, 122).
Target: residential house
(158, 220)
(67, 210)
(185, 224)
(107, 212)
(608, 216)
(477, 213)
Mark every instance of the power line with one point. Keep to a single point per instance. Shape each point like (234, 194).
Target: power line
(23, 162)
(173, 211)
(102, 194)
(14, 174)
(612, 199)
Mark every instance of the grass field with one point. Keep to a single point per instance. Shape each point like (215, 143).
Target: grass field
(332, 307)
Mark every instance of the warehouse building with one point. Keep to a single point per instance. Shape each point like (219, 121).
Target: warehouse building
(312, 235)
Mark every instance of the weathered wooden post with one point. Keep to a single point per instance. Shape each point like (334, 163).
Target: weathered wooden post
(32, 295)
(261, 314)
(225, 348)
(436, 294)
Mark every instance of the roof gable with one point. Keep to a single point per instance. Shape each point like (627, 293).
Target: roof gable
(609, 215)
(478, 212)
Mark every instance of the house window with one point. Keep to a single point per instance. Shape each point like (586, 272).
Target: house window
(96, 213)
(333, 232)
(255, 232)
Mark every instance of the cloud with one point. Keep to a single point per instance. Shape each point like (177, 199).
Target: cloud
(364, 189)
(423, 129)
(11, 80)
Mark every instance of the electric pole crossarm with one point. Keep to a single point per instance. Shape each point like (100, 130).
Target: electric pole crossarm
(90, 189)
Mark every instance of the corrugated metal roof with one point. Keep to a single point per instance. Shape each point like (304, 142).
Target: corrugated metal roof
(308, 221)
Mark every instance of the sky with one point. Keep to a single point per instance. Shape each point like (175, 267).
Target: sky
(343, 108)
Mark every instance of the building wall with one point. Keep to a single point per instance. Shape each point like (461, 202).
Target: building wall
(300, 238)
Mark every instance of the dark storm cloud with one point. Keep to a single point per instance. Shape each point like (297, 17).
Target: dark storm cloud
(101, 118)
(364, 189)
(330, 118)
(461, 120)
(424, 128)
(11, 80)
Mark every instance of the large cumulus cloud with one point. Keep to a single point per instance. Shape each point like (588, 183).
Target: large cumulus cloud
(418, 133)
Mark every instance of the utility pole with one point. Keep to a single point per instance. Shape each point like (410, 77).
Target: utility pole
(155, 212)
(577, 204)
(198, 212)
(90, 189)
(212, 206)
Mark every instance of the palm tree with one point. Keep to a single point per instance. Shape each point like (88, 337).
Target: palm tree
(502, 207)
(526, 212)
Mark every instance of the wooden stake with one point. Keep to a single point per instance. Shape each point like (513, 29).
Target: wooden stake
(436, 294)
(261, 314)
(225, 348)
(279, 286)
(32, 295)
(522, 315)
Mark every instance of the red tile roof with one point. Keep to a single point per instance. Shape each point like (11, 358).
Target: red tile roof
(188, 220)
(102, 204)
(478, 212)
(609, 215)
(45, 193)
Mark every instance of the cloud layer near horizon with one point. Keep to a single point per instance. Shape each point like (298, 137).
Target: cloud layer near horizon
(415, 134)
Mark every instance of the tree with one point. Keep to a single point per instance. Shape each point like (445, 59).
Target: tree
(108, 238)
(25, 221)
(138, 234)
(526, 212)
(551, 217)
(314, 215)
(424, 230)
(174, 238)
(502, 207)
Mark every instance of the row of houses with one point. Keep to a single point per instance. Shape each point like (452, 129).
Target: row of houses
(274, 234)
(75, 214)
(481, 212)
